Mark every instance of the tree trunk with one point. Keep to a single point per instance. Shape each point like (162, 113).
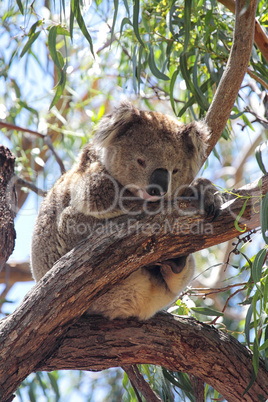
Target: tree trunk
(35, 330)
(7, 205)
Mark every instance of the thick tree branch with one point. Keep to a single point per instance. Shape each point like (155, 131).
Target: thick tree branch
(224, 99)
(176, 343)
(34, 331)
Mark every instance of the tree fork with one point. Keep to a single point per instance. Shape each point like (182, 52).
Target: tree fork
(34, 331)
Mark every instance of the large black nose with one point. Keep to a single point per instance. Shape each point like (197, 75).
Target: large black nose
(158, 185)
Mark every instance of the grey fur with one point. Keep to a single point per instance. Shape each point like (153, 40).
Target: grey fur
(128, 146)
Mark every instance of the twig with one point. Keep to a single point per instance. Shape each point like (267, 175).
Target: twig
(46, 138)
(231, 80)
(257, 78)
(260, 37)
(259, 119)
(24, 183)
(139, 382)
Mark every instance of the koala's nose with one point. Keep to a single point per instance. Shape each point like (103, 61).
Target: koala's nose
(158, 185)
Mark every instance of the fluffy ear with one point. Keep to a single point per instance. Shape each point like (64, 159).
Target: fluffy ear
(115, 124)
(195, 136)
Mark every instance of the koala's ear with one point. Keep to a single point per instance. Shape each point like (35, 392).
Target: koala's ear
(115, 124)
(194, 138)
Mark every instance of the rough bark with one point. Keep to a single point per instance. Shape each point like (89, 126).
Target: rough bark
(176, 343)
(7, 205)
(34, 331)
(224, 99)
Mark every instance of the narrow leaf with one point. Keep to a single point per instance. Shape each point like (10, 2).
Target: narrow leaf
(171, 90)
(187, 22)
(201, 99)
(115, 16)
(123, 23)
(157, 73)
(247, 323)
(59, 89)
(52, 36)
(264, 218)
(77, 13)
(258, 155)
(136, 11)
(204, 87)
(19, 3)
(28, 45)
(71, 26)
(257, 265)
(207, 311)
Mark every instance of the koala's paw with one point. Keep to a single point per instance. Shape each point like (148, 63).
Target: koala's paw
(210, 200)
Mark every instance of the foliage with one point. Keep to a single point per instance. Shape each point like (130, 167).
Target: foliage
(168, 55)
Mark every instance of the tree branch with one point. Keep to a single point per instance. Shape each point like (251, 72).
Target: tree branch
(34, 331)
(224, 99)
(176, 343)
(7, 205)
(260, 38)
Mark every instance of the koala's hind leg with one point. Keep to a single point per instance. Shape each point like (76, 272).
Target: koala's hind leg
(177, 273)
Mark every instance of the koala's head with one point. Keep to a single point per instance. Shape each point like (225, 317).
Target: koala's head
(150, 153)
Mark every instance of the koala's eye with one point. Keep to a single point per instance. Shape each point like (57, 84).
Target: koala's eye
(141, 162)
(175, 171)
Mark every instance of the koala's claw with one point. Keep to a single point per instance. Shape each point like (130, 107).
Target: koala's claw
(210, 211)
(210, 200)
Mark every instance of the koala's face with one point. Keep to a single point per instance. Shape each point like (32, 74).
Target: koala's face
(149, 153)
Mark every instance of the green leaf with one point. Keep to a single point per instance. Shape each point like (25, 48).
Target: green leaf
(59, 89)
(134, 62)
(247, 323)
(54, 384)
(71, 24)
(201, 99)
(52, 36)
(264, 345)
(139, 68)
(256, 356)
(207, 311)
(258, 156)
(28, 45)
(62, 30)
(186, 76)
(204, 87)
(239, 216)
(77, 13)
(123, 23)
(126, 6)
(136, 11)
(171, 90)
(264, 218)
(247, 122)
(257, 265)
(157, 73)
(115, 16)
(19, 3)
(187, 22)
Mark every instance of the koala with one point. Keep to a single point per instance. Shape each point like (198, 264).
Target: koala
(135, 158)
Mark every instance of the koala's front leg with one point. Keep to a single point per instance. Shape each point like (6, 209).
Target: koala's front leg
(178, 272)
(206, 193)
